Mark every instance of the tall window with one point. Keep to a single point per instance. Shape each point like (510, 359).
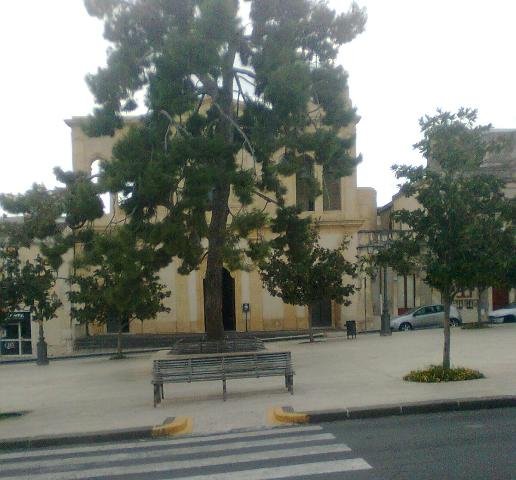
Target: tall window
(406, 292)
(105, 197)
(304, 186)
(331, 190)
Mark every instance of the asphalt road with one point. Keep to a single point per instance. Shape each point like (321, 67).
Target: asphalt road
(456, 445)
(471, 445)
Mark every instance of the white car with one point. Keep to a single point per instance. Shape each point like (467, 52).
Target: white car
(425, 316)
(503, 315)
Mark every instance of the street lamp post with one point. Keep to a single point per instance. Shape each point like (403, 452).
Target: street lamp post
(385, 318)
(41, 347)
(378, 240)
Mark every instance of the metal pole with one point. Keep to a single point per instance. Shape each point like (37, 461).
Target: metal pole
(386, 318)
(365, 304)
(41, 347)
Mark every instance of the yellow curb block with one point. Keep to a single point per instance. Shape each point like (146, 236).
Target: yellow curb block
(179, 426)
(278, 416)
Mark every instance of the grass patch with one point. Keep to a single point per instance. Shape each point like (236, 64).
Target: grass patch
(436, 374)
(475, 325)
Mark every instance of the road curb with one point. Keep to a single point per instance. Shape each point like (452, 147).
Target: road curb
(171, 427)
(411, 408)
(282, 415)
(286, 415)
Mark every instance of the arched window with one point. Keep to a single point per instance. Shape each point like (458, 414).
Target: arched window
(105, 197)
(304, 183)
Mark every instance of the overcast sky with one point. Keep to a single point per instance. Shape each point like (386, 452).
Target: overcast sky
(415, 56)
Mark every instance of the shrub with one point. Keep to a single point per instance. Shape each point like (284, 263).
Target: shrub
(436, 373)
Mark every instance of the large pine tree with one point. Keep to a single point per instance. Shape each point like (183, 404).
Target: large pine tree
(216, 84)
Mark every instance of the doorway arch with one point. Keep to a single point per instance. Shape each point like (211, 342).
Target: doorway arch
(228, 301)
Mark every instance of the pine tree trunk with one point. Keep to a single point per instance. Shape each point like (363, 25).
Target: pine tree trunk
(310, 329)
(215, 264)
(220, 210)
(446, 349)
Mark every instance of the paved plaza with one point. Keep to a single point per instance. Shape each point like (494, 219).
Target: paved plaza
(92, 394)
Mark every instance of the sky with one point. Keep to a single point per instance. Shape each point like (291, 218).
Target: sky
(414, 57)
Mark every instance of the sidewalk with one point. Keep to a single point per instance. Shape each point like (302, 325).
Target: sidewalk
(92, 394)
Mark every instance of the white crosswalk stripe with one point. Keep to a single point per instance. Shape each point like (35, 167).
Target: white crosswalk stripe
(254, 455)
(176, 441)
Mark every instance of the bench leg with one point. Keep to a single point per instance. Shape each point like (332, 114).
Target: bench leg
(224, 389)
(162, 392)
(157, 396)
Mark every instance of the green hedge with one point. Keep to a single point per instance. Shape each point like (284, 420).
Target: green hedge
(436, 373)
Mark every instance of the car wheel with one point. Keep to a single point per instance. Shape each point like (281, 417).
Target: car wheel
(454, 322)
(509, 319)
(405, 326)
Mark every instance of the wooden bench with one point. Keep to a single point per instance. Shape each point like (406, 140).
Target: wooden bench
(221, 366)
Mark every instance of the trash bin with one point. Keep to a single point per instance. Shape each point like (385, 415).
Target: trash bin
(351, 329)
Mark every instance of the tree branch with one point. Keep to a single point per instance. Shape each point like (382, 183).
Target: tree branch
(265, 197)
(244, 71)
(235, 124)
(241, 90)
(211, 87)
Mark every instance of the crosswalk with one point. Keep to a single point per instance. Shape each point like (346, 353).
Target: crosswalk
(264, 454)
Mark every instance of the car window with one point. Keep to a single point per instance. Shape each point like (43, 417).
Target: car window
(439, 308)
(424, 311)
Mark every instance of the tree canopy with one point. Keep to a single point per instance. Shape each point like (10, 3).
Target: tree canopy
(298, 270)
(217, 85)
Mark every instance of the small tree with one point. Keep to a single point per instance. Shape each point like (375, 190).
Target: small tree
(301, 272)
(28, 284)
(54, 221)
(37, 280)
(442, 233)
(117, 281)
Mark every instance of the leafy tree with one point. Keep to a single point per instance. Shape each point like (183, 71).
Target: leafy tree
(55, 221)
(10, 294)
(116, 281)
(301, 272)
(217, 86)
(443, 234)
(37, 280)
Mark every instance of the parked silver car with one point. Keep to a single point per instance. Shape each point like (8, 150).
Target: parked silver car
(425, 316)
(506, 314)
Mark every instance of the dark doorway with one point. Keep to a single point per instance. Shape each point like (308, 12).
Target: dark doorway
(321, 314)
(500, 297)
(228, 301)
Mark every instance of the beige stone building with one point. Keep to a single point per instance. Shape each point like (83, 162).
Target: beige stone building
(405, 292)
(341, 212)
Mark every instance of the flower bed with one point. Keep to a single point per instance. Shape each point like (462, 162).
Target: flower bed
(436, 373)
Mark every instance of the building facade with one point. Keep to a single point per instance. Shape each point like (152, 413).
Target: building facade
(341, 212)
